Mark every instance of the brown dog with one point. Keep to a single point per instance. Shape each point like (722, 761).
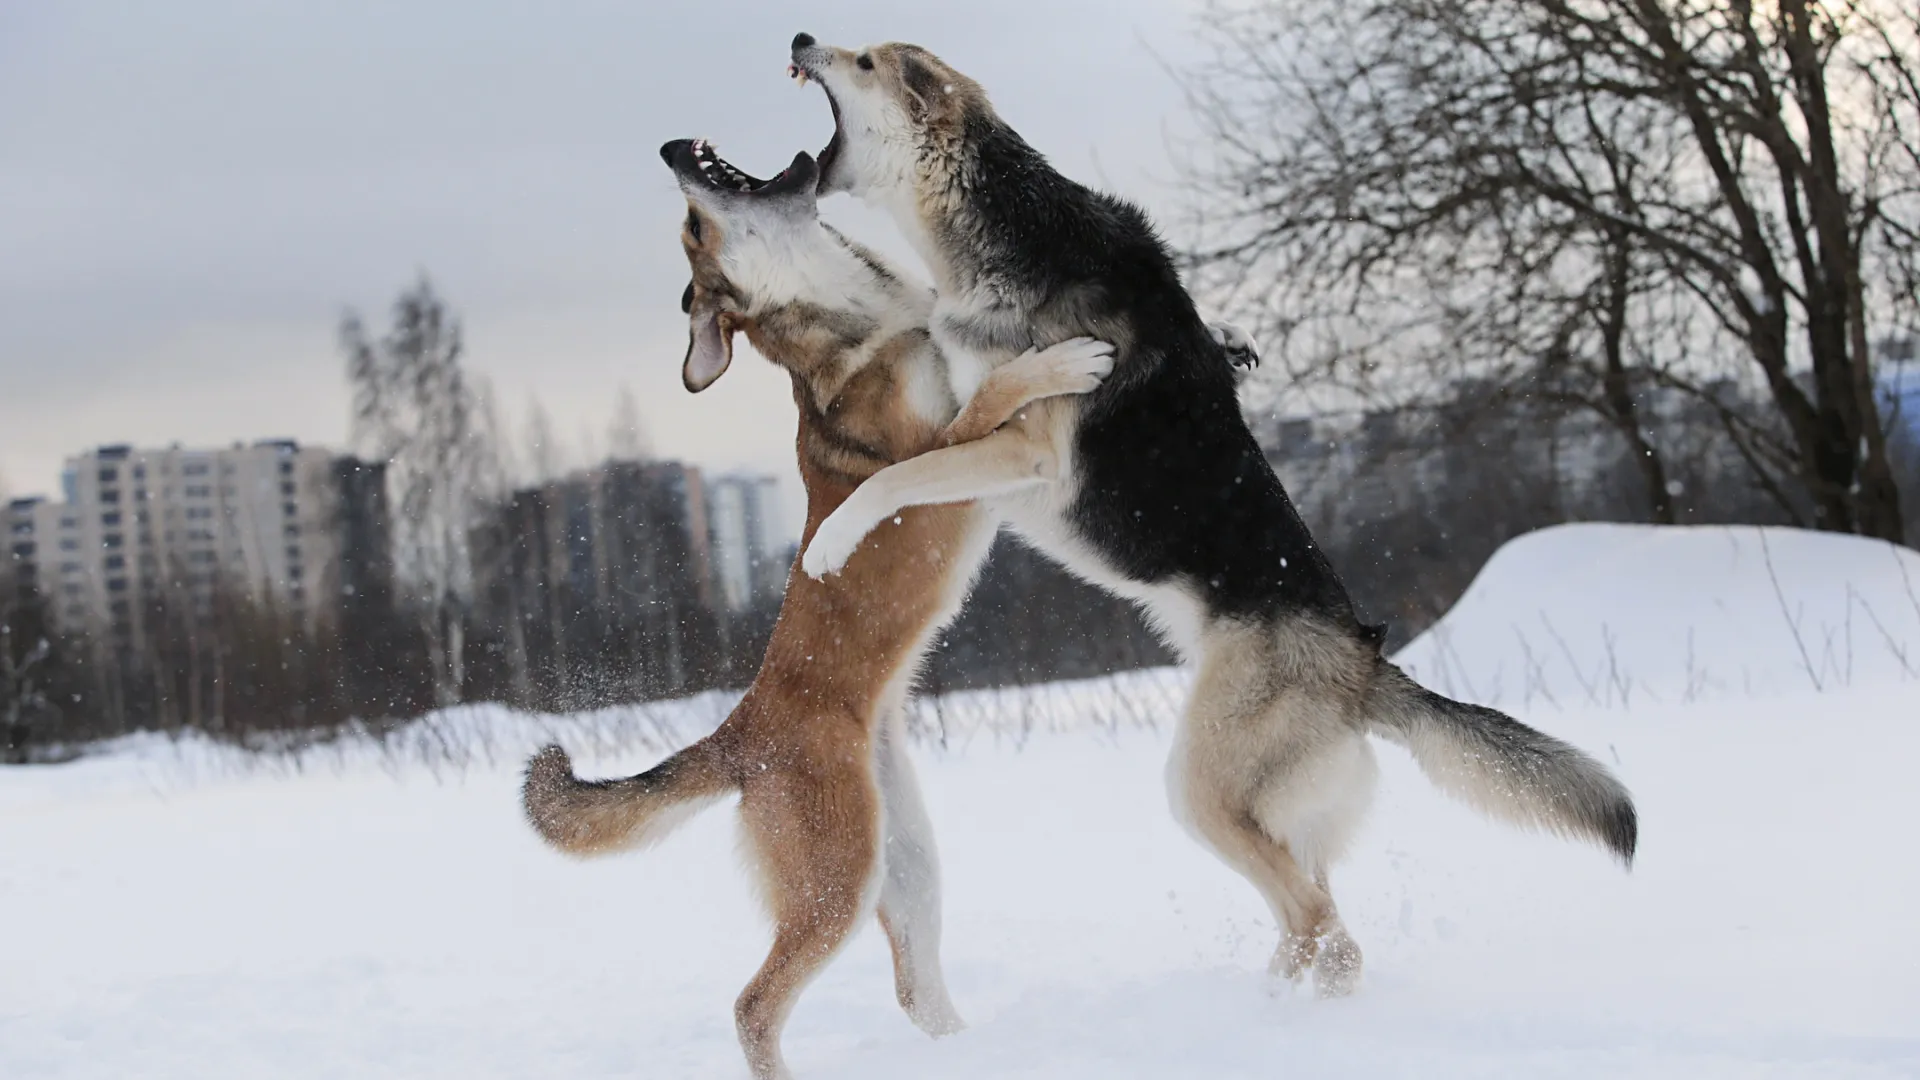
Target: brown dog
(832, 814)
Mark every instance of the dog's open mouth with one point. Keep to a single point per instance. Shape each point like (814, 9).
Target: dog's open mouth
(699, 165)
(801, 76)
(720, 173)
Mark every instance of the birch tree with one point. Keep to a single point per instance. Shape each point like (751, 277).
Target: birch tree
(417, 409)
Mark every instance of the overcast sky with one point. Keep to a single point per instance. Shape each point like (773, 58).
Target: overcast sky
(191, 192)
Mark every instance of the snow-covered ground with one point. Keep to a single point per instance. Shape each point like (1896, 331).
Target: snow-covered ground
(168, 914)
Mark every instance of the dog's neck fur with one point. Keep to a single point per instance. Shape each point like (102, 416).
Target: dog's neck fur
(843, 324)
(822, 306)
(936, 206)
(980, 318)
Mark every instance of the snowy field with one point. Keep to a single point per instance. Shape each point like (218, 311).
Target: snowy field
(169, 913)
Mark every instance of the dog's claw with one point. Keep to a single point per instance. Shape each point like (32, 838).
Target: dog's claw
(1237, 343)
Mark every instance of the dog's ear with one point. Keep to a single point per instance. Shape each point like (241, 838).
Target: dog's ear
(925, 94)
(709, 349)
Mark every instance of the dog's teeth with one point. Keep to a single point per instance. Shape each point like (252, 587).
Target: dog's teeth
(744, 186)
(706, 165)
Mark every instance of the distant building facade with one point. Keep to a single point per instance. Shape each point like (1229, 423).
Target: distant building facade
(1899, 376)
(41, 538)
(273, 521)
(751, 550)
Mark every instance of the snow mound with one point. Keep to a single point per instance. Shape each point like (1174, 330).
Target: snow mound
(1583, 616)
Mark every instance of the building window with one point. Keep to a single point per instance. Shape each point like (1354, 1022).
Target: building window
(286, 468)
(286, 489)
(110, 495)
(294, 572)
(118, 584)
(194, 468)
(290, 510)
(116, 562)
(293, 531)
(139, 472)
(23, 551)
(111, 541)
(110, 519)
(23, 528)
(108, 476)
(69, 544)
(197, 491)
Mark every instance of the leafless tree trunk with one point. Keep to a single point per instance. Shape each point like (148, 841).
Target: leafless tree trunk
(22, 656)
(542, 451)
(627, 435)
(416, 409)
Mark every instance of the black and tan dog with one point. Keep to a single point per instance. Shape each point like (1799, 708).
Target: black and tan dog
(1153, 486)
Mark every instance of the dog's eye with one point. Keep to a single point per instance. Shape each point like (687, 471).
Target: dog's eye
(865, 62)
(693, 226)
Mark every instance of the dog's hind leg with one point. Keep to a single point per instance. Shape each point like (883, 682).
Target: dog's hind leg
(815, 834)
(1336, 963)
(1317, 817)
(1301, 905)
(910, 891)
(1242, 780)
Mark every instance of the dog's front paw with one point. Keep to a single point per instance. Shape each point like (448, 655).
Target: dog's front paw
(1237, 343)
(833, 544)
(1078, 363)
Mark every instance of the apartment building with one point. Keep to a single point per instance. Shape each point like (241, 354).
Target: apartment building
(751, 550)
(610, 561)
(41, 540)
(273, 522)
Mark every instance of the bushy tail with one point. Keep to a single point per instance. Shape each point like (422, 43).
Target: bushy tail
(598, 817)
(1504, 768)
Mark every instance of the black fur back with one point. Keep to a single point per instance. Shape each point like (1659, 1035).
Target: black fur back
(1173, 484)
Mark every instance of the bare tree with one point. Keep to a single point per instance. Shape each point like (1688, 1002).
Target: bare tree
(416, 409)
(26, 650)
(627, 434)
(1604, 195)
(541, 448)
